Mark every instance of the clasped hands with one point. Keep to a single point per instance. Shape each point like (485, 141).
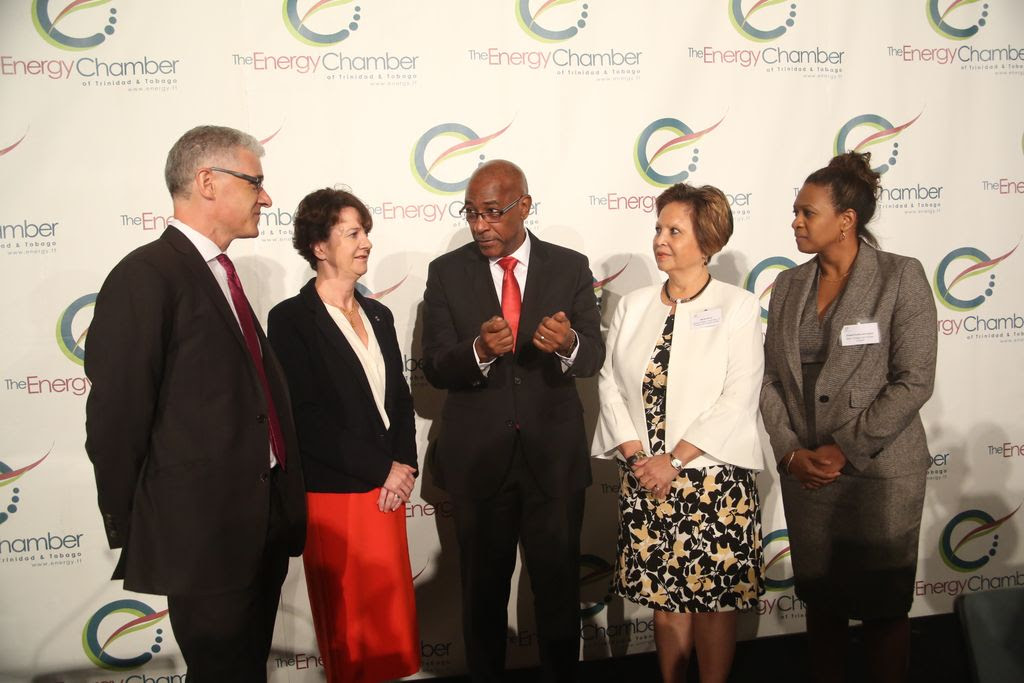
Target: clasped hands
(817, 468)
(655, 473)
(397, 487)
(554, 333)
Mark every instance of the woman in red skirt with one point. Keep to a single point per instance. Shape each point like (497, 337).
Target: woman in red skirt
(354, 416)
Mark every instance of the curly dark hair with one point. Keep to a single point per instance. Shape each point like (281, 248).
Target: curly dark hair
(316, 215)
(852, 184)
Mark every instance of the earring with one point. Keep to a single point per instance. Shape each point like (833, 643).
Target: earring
(842, 235)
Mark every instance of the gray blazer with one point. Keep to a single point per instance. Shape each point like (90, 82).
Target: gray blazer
(868, 396)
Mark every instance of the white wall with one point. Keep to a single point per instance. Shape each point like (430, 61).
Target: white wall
(84, 134)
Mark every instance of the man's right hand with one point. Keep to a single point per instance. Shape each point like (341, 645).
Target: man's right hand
(495, 339)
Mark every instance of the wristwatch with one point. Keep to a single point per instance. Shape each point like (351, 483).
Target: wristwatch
(677, 463)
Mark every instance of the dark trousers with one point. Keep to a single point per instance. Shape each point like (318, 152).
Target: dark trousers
(226, 637)
(489, 532)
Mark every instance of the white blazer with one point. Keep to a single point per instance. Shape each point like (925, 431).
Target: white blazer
(714, 375)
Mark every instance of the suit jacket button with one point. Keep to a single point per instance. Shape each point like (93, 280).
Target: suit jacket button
(823, 398)
(261, 418)
(264, 476)
(517, 381)
(510, 424)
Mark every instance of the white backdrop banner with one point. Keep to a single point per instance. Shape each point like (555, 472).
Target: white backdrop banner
(603, 104)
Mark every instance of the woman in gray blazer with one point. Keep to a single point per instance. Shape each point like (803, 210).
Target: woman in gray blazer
(849, 361)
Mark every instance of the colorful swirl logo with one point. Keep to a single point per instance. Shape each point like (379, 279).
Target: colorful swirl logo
(938, 22)
(8, 148)
(133, 616)
(775, 565)
(774, 265)
(49, 32)
(681, 136)
(879, 131)
(7, 478)
(980, 264)
(741, 20)
(599, 284)
(70, 332)
(595, 573)
(528, 21)
(982, 524)
(270, 137)
(468, 142)
(365, 291)
(298, 26)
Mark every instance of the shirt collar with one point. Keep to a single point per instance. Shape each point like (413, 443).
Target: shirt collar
(522, 254)
(203, 244)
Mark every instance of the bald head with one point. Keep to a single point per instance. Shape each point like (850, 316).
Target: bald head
(505, 173)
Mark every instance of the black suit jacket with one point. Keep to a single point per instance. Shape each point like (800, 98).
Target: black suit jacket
(177, 429)
(479, 420)
(345, 447)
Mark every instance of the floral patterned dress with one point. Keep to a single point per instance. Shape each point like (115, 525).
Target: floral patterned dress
(699, 548)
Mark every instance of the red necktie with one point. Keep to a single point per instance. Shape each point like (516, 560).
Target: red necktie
(245, 318)
(511, 298)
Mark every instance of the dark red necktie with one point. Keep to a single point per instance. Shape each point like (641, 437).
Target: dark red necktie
(511, 297)
(245, 318)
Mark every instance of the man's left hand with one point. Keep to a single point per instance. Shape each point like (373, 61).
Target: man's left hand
(554, 334)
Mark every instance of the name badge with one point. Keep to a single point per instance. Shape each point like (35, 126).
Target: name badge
(711, 317)
(860, 334)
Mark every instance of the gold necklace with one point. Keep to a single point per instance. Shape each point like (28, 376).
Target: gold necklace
(835, 279)
(349, 313)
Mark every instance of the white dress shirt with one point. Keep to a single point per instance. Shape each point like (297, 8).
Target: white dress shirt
(370, 356)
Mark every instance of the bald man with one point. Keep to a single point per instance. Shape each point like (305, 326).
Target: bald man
(509, 322)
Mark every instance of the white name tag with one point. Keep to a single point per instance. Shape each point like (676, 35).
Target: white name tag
(859, 334)
(711, 317)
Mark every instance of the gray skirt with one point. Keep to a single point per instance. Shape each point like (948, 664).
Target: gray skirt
(853, 543)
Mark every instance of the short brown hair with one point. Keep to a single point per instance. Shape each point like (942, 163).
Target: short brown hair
(316, 215)
(712, 217)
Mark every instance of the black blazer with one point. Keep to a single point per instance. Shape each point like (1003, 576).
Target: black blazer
(479, 420)
(176, 427)
(345, 447)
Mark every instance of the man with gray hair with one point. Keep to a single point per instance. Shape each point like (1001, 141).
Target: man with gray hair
(188, 423)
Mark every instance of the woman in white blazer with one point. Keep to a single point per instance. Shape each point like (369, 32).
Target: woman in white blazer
(679, 398)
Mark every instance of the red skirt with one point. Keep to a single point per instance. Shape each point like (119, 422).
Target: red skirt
(360, 588)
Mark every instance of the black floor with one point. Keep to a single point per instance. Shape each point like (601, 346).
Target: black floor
(937, 655)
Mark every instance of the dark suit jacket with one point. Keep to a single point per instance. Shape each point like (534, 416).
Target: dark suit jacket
(345, 447)
(478, 422)
(177, 428)
(868, 396)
